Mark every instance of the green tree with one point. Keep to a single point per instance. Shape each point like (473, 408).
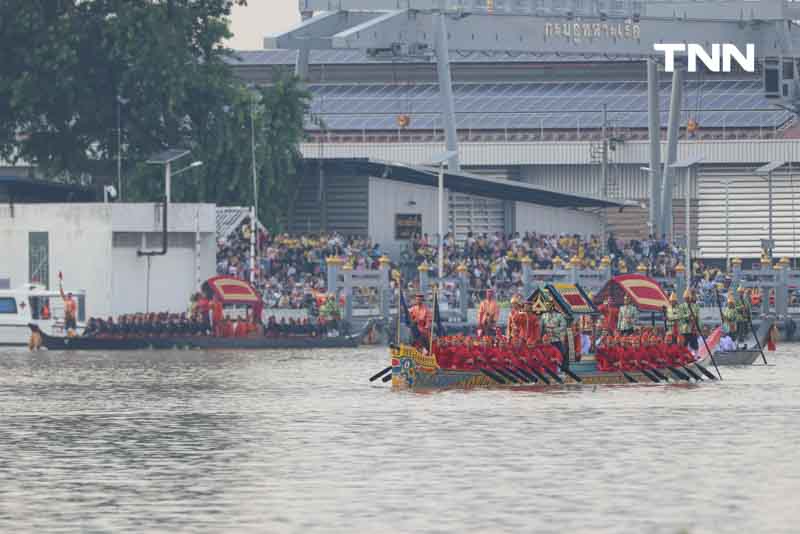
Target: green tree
(66, 63)
(224, 140)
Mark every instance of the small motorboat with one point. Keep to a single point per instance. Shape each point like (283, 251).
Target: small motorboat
(34, 304)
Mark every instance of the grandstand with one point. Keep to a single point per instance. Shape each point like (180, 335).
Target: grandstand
(541, 119)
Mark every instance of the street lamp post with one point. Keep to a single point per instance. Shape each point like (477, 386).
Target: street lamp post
(440, 160)
(688, 165)
(169, 174)
(254, 214)
(767, 171)
(120, 102)
(440, 265)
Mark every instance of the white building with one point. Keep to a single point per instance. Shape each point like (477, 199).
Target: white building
(96, 247)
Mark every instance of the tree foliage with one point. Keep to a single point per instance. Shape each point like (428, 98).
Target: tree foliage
(67, 65)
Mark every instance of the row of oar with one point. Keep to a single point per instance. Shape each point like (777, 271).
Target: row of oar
(524, 373)
(683, 373)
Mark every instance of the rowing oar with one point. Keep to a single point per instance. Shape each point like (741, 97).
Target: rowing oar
(629, 378)
(502, 371)
(538, 375)
(573, 376)
(679, 374)
(697, 325)
(505, 373)
(521, 372)
(705, 371)
(692, 373)
(755, 334)
(554, 375)
(649, 375)
(379, 374)
(493, 376)
(387, 378)
(522, 378)
(659, 374)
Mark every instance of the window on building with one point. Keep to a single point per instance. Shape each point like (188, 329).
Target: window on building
(8, 305)
(39, 258)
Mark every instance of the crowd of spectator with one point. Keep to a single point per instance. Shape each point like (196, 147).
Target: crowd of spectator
(495, 260)
(291, 270)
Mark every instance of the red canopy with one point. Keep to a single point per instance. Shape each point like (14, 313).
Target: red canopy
(645, 292)
(233, 291)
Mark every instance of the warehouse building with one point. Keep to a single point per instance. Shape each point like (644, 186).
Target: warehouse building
(564, 124)
(54, 228)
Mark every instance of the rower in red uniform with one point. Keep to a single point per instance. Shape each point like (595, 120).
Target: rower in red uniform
(611, 313)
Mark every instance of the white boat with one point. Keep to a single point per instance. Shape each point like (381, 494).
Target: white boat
(27, 305)
(739, 356)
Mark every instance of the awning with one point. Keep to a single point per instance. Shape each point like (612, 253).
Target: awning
(645, 293)
(232, 290)
(471, 184)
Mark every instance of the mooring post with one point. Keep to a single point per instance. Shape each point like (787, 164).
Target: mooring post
(385, 286)
(334, 265)
(463, 291)
(423, 277)
(527, 276)
(605, 270)
(347, 275)
(736, 274)
(680, 281)
(782, 288)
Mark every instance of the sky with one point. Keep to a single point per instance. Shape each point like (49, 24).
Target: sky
(261, 17)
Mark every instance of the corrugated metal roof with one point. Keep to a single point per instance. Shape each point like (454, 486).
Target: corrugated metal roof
(472, 184)
(331, 57)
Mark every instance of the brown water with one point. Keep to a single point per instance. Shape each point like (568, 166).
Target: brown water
(301, 442)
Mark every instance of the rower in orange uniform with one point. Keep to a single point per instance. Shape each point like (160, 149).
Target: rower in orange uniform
(421, 315)
(611, 313)
(534, 332)
(488, 314)
(517, 320)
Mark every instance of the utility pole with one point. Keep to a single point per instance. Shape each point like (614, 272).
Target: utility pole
(605, 151)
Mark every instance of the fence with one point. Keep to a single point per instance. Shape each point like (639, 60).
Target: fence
(779, 285)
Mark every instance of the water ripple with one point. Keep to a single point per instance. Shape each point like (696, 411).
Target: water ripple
(301, 442)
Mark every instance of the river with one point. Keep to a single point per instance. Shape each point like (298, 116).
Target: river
(302, 442)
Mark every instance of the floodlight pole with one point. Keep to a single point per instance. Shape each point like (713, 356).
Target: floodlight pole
(688, 227)
(654, 128)
(769, 189)
(253, 225)
(727, 226)
(119, 146)
(440, 266)
(446, 90)
(673, 130)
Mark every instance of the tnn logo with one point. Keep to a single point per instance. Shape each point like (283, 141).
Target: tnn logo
(718, 61)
